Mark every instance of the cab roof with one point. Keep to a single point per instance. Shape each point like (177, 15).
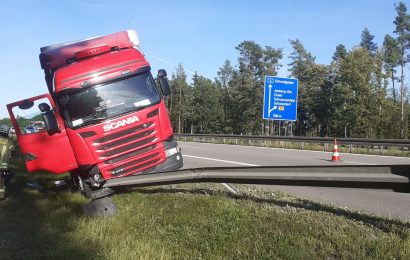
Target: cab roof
(98, 69)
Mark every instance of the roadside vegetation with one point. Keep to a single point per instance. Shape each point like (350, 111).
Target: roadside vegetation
(361, 93)
(190, 221)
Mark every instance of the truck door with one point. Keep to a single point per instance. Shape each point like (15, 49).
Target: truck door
(42, 151)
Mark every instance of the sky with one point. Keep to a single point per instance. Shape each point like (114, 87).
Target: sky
(199, 34)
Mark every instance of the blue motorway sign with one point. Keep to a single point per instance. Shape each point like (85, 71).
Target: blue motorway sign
(280, 100)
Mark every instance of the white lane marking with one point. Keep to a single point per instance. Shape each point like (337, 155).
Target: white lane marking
(217, 160)
(359, 163)
(310, 151)
(187, 146)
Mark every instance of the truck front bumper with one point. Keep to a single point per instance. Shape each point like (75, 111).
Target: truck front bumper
(174, 159)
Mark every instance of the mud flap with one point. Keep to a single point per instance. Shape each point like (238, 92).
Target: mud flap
(103, 207)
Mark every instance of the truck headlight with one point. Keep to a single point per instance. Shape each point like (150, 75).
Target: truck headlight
(171, 151)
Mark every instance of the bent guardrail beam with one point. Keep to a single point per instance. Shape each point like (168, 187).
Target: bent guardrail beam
(396, 177)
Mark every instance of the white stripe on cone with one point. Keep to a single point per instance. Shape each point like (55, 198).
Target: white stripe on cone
(335, 155)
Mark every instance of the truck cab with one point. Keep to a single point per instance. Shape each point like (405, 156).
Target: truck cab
(105, 115)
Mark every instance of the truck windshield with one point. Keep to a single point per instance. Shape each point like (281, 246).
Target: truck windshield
(105, 101)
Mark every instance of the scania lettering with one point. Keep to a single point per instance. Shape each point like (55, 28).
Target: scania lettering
(105, 115)
(117, 124)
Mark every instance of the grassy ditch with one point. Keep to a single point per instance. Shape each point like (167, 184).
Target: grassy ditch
(195, 221)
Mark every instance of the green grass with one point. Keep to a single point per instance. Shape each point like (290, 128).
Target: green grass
(191, 221)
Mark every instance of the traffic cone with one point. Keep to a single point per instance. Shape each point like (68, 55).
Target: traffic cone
(335, 155)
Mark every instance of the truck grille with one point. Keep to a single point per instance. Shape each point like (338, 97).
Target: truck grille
(127, 147)
(123, 133)
(130, 151)
(136, 165)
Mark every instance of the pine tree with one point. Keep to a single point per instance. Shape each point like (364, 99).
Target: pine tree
(358, 97)
(337, 93)
(254, 63)
(225, 77)
(391, 56)
(207, 106)
(340, 53)
(180, 101)
(402, 23)
(367, 42)
(248, 90)
(311, 78)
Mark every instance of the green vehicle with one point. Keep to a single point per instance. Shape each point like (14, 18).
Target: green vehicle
(5, 147)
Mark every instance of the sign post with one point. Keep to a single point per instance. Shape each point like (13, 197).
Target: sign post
(280, 98)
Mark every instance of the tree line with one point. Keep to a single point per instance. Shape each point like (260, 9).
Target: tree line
(361, 93)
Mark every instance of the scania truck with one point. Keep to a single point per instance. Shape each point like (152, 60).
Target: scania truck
(104, 113)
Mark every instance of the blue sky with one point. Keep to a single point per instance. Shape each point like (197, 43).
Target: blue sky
(199, 34)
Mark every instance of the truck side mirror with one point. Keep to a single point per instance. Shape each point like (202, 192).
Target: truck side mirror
(163, 82)
(26, 104)
(49, 119)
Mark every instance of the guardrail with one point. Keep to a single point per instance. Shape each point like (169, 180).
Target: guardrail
(396, 177)
(325, 141)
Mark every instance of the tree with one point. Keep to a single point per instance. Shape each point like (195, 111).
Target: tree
(340, 53)
(300, 57)
(311, 78)
(180, 101)
(271, 62)
(5, 121)
(254, 63)
(391, 56)
(358, 99)
(225, 77)
(208, 111)
(402, 23)
(367, 42)
(271, 59)
(337, 93)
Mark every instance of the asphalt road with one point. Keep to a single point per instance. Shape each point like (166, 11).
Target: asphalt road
(378, 202)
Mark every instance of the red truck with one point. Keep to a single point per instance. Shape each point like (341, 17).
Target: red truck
(105, 115)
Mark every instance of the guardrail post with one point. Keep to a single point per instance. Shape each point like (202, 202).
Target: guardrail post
(301, 145)
(350, 148)
(224, 140)
(236, 141)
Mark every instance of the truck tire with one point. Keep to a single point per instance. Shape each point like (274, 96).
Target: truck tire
(77, 184)
(84, 187)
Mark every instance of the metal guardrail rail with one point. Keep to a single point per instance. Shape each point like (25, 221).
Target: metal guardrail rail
(396, 177)
(344, 141)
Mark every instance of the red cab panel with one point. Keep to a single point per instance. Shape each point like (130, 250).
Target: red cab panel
(125, 145)
(55, 56)
(42, 151)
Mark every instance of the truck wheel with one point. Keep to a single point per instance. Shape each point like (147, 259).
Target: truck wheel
(84, 187)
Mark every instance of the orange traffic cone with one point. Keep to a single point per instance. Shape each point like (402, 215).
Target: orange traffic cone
(335, 155)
